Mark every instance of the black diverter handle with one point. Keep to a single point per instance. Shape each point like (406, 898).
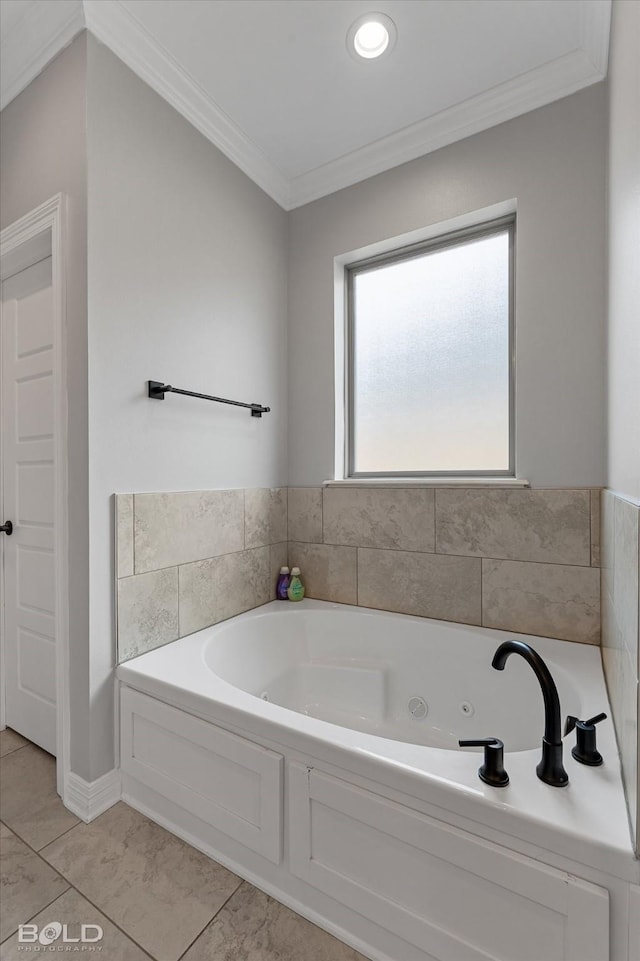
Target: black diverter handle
(585, 750)
(492, 771)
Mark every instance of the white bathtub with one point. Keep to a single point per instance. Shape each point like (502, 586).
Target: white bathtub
(230, 736)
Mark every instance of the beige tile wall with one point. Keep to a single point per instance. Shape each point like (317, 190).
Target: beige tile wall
(519, 560)
(189, 559)
(621, 635)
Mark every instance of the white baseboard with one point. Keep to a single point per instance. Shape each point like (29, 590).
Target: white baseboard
(88, 799)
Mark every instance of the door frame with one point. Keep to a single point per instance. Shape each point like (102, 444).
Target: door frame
(39, 233)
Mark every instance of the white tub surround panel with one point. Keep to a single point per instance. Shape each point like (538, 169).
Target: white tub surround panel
(522, 560)
(418, 876)
(181, 562)
(224, 779)
(621, 635)
(392, 842)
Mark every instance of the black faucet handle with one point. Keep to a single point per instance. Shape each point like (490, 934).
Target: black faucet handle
(585, 749)
(596, 719)
(492, 770)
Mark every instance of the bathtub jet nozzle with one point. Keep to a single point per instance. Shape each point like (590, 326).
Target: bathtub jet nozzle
(550, 769)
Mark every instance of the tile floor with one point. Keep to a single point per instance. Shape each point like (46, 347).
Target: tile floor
(154, 896)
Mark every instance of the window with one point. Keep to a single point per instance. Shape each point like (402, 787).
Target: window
(430, 343)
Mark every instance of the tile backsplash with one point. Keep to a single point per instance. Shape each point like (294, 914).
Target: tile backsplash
(621, 636)
(520, 560)
(189, 559)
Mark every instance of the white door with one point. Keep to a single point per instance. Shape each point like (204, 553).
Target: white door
(27, 500)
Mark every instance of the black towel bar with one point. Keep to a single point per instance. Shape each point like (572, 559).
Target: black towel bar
(157, 390)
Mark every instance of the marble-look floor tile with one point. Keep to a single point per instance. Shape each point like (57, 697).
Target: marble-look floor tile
(254, 927)
(550, 600)
(72, 910)
(397, 519)
(178, 528)
(214, 590)
(124, 535)
(28, 800)
(305, 514)
(428, 585)
(265, 516)
(328, 573)
(147, 612)
(159, 890)
(549, 526)
(27, 884)
(11, 741)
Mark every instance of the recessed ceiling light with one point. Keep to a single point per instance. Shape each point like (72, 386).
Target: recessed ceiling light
(371, 35)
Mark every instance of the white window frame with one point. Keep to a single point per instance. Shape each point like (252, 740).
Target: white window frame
(349, 267)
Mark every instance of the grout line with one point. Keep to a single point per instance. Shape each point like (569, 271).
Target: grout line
(15, 749)
(179, 624)
(435, 521)
(114, 923)
(212, 919)
(470, 557)
(287, 531)
(53, 840)
(244, 518)
(133, 524)
(72, 886)
(46, 906)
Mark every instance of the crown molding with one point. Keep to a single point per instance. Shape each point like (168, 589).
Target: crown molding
(531, 90)
(47, 26)
(38, 36)
(119, 30)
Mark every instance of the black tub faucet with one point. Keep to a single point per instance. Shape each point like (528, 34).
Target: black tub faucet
(550, 769)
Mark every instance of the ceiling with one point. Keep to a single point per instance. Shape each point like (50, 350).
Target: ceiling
(272, 84)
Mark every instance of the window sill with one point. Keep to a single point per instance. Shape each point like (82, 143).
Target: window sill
(427, 482)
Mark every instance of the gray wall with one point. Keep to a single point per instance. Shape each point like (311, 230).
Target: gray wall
(624, 251)
(621, 505)
(43, 152)
(187, 284)
(553, 162)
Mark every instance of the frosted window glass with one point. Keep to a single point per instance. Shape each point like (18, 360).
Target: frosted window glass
(431, 361)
